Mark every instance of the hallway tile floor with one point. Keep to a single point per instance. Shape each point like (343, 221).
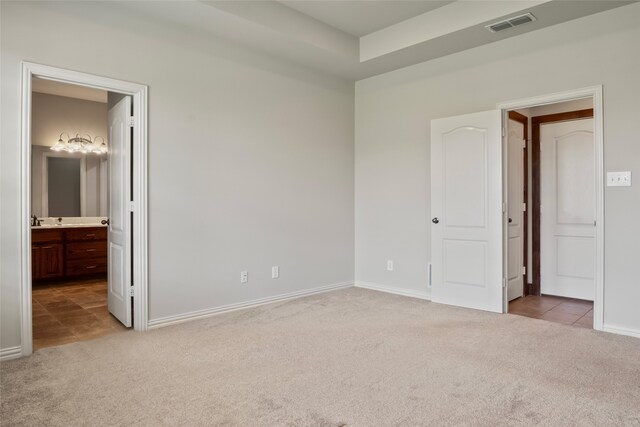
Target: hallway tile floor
(568, 311)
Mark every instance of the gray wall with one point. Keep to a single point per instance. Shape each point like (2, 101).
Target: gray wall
(393, 114)
(250, 158)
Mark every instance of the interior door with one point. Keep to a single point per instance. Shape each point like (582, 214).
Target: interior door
(466, 210)
(567, 209)
(515, 195)
(119, 219)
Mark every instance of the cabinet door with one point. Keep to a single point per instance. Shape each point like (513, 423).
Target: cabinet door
(51, 261)
(36, 260)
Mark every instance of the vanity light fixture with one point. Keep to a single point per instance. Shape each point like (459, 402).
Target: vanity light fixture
(81, 144)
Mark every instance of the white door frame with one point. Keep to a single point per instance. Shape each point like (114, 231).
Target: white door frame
(594, 92)
(140, 242)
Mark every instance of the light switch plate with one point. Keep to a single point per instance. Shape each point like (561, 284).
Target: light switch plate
(619, 179)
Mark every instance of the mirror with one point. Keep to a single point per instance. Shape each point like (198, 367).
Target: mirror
(63, 176)
(68, 184)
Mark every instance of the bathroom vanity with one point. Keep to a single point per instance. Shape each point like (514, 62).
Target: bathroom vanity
(68, 251)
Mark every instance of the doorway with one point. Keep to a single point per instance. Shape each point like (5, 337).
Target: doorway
(100, 254)
(561, 285)
(470, 210)
(563, 258)
(69, 214)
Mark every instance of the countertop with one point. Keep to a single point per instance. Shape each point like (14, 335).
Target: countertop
(54, 226)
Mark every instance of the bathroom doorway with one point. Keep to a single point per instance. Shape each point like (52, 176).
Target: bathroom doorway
(69, 213)
(551, 171)
(84, 196)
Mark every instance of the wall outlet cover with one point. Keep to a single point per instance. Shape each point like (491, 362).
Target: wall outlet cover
(619, 179)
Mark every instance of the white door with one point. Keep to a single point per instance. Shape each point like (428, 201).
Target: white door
(466, 210)
(567, 209)
(119, 220)
(515, 194)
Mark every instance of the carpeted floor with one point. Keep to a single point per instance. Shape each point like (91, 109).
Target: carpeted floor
(352, 357)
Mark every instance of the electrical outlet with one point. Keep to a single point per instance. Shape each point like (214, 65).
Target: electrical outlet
(275, 272)
(244, 277)
(390, 265)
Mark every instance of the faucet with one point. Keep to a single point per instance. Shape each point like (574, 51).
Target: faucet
(35, 221)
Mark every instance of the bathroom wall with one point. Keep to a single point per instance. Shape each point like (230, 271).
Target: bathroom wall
(52, 115)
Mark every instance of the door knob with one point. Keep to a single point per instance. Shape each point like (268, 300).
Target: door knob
(104, 222)
(435, 220)
(510, 220)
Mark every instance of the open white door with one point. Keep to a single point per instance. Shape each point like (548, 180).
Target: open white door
(515, 212)
(119, 218)
(567, 209)
(466, 206)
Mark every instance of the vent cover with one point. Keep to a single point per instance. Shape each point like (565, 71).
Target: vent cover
(511, 22)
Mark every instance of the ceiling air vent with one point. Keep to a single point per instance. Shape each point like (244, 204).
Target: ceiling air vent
(511, 22)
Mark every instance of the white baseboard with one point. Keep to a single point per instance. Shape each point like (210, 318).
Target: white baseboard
(201, 314)
(621, 331)
(393, 290)
(10, 353)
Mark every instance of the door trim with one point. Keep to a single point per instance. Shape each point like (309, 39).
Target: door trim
(594, 92)
(138, 93)
(514, 115)
(535, 183)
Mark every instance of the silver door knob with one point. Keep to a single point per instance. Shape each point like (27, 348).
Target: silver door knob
(435, 220)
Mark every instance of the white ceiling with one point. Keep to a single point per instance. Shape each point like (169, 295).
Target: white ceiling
(70, 91)
(361, 17)
(335, 37)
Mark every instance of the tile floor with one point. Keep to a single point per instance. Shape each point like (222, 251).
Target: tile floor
(555, 309)
(71, 311)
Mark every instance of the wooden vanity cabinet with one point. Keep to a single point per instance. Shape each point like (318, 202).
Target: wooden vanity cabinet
(85, 251)
(68, 252)
(47, 254)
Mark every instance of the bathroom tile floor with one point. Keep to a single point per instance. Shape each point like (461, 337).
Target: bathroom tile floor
(554, 309)
(70, 311)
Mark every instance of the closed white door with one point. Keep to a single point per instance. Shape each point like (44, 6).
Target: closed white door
(515, 195)
(466, 210)
(119, 253)
(567, 209)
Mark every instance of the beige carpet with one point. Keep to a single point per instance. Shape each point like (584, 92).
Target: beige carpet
(352, 357)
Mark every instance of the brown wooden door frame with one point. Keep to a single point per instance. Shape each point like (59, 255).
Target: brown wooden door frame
(513, 115)
(535, 182)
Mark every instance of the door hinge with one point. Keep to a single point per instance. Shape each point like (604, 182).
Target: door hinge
(132, 121)
(131, 291)
(504, 282)
(524, 143)
(132, 206)
(524, 207)
(504, 207)
(524, 270)
(504, 131)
